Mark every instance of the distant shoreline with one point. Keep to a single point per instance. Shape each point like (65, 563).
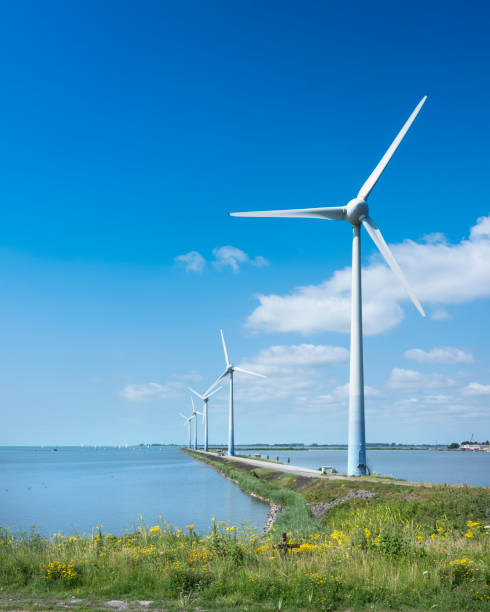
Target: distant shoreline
(336, 447)
(441, 447)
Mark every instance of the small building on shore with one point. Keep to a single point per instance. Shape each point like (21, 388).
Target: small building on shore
(475, 447)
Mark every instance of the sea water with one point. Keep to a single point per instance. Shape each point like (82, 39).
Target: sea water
(451, 467)
(72, 490)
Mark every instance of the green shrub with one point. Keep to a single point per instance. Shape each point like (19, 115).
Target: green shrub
(186, 580)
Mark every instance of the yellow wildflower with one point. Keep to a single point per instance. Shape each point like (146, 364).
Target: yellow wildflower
(57, 570)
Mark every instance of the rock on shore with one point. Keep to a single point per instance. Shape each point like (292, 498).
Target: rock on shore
(274, 511)
(318, 511)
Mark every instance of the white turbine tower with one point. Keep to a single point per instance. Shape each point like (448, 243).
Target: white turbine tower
(188, 423)
(230, 369)
(194, 413)
(356, 212)
(205, 412)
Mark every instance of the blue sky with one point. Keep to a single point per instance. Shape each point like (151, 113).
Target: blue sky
(130, 130)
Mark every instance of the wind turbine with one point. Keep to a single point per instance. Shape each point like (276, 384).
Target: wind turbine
(356, 212)
(194, 412)
(230, 369)
(205, 412)
(188, 422)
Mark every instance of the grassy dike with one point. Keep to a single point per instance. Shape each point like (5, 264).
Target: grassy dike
(373, 546)
(422, 504)
(295, 517)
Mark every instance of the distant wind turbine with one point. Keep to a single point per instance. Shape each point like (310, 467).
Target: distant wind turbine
(230, 369)
(194, 413)
(205, 412)
(356, 212)
(188, 423)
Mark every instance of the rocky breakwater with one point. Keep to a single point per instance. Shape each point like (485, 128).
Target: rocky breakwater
(318, 511)
(274, 511)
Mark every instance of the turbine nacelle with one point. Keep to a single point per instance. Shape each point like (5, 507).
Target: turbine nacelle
(356, 211)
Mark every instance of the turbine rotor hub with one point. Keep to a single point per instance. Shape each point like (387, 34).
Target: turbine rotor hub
(357, 209)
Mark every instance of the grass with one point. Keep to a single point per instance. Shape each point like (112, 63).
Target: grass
(405, 548)
(373, 560)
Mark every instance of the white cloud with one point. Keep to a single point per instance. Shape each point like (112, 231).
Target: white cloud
(135, 392)
(413, 381)
(481, 229)
(192, 261)
(324, 307)
(151, 390)
(307, 379)
(259, 261)
(440, 315)
(298, 374)
(434, 238)
(302, 355)
(474, 388)
(438, 399)
(439, 272)
(443, 354)
(224, 257)
(232, 257)
(423, 407)
(192, 376)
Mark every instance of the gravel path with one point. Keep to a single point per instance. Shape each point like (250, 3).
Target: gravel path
(279, 467)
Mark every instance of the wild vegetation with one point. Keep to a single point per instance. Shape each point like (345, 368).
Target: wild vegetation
(404, 547)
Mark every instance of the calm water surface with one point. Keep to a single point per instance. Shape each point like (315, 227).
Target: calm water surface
(75, 489)
(451, 467)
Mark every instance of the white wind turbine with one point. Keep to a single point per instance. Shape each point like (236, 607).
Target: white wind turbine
(204, 413)
(230, 369)
(188, 423)
(194, 413)
(356, 212)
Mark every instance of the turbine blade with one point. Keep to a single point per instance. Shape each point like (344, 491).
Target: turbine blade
(373, 230)
(378, 171)
(216, 382)
(195, 393)
(192, 402)
(183, 416)
(224, 347)
(212, 393)
(333, 213)
(248, 372)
